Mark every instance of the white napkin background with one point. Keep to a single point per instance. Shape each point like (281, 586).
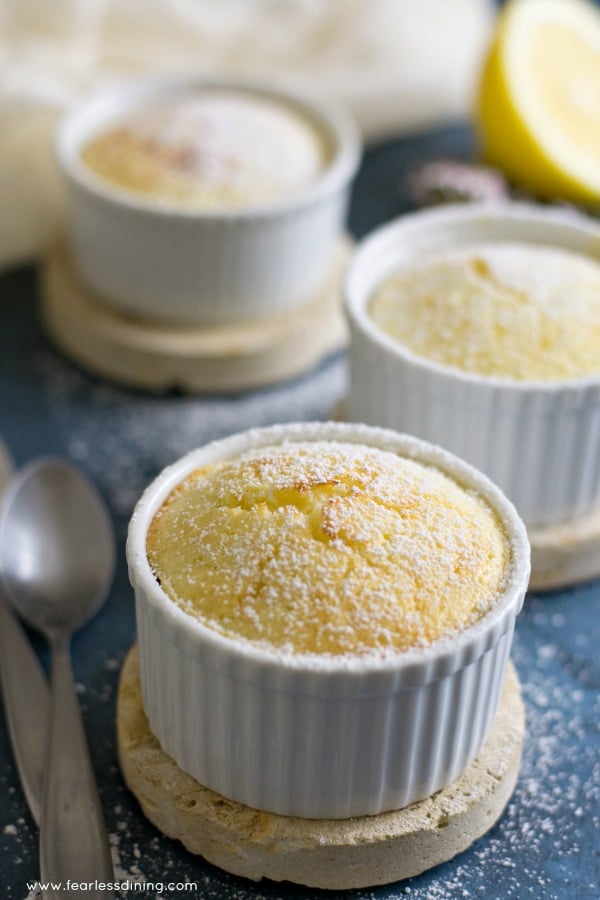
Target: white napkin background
(398, 64)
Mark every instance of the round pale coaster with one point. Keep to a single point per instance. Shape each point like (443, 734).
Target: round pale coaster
(566, 554)
(324, 853)
(156, 356)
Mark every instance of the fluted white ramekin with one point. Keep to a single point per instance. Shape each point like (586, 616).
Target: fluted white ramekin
(309, 735)
(539, 441)
(164, 262)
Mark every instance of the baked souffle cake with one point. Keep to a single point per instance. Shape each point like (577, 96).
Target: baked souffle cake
(528, 313)
(211, 150)
(329, 548)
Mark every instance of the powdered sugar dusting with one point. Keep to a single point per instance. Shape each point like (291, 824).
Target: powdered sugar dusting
(329, 548)
(211, 150)
(515, 311)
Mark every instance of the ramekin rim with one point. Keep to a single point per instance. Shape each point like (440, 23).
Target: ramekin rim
(330, 114)
(355, 303)
(500, 616)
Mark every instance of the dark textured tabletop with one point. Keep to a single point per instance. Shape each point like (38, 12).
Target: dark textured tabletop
(547, 843)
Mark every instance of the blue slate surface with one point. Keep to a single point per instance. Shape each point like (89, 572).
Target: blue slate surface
(546, 844)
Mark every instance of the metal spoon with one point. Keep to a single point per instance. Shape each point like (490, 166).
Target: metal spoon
(57, 560)
(24, 689)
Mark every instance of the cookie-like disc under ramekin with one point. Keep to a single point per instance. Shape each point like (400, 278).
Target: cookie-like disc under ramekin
(324, 853)
(158, 356)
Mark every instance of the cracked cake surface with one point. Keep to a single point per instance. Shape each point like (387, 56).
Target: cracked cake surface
(514, 311)
(329, 548)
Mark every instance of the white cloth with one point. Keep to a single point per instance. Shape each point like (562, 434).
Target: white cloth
(398, 64)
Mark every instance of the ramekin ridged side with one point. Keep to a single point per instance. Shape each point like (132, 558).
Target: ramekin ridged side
(319, 737)
(168, 263)
(539, 442)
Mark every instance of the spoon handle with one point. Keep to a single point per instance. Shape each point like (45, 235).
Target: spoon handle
(73, 838)
(26, 697)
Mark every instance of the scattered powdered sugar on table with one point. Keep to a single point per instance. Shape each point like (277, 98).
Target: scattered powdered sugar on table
(133, 873)
(123, 441)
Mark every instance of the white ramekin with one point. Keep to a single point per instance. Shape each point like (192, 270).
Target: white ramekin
(314, 736)
(167, 263)
(539, 441)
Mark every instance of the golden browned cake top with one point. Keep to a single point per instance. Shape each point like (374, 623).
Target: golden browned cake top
(329, 548)
(211, 150)
(517, 311)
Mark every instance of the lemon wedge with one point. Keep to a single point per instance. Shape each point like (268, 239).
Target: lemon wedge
(538, 108)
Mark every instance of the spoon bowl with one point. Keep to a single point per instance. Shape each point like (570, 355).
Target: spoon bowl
(23, 687)
(57, 551)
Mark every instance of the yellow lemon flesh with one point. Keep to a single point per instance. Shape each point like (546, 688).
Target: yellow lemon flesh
(538, 108)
